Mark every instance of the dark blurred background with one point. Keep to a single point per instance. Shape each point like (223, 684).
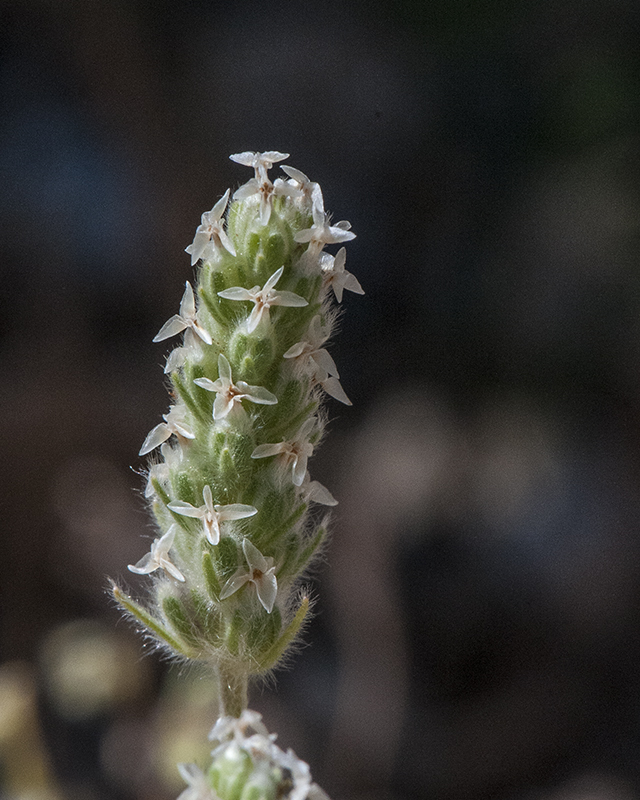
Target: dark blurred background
(478, 625)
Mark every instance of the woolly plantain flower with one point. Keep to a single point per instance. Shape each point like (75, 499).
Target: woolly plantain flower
(238, 518)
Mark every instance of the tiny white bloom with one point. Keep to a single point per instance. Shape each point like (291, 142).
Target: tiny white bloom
(295, 452)
(175, 423)
(261, 573)
(228, 393)
(185, 319)
(310, 351)
(265, 191)
(198, 788)
(210, 234)
(336, 276)
(190, 349)
(321, 233)
(212, 514)
(305, 185)
(263, 299)
(158, 557)
(236, 728)
(261, 162)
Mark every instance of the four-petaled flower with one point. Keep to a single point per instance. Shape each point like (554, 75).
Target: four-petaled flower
(296, 452)
(174, 423)
(210, 234)
(158, 558)
(261, 573)
(185, 319)
(228, 393)
(336, 276)
(263, 299)
(212, 514)
(321, 233)
(261, 162)
(301, 182)
(311, 352)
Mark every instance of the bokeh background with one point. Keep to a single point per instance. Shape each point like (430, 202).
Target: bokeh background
(478, 625)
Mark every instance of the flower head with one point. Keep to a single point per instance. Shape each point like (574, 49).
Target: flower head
(212, 514)
(210, 234)
(187, 318)
(158, 558)
(228, 394)
(263, 299)
(260, 572)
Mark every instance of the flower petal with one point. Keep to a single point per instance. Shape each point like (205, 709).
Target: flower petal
(266, 450)
(170, 328)
(235, 582)
(155, 438)
(235, 511)
(267, 589)
(186, 509)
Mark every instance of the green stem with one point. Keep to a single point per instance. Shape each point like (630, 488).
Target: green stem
(233, 693)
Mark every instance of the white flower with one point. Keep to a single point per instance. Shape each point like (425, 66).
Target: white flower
(266, 191)
(236, 728)
(158, 558)
(296, 452)
(212, 514)
(261, 574)
(185, 319)
(310, 351)
(198, 788)
(300, 181)
(175, 423)
(321, 233)
(332, 386)
(210, 234)
(228, 393)
(190, 349)
(263, 299)
(336, 276)
(261, 162)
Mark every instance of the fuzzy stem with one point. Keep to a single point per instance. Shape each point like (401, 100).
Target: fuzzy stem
(233, 692)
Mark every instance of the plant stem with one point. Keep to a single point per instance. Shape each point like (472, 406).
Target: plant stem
(233, 693)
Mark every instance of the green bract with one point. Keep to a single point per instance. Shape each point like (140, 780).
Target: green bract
(229, 489)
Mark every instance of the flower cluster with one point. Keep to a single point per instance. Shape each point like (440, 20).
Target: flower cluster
(239, 518)
(246, 762)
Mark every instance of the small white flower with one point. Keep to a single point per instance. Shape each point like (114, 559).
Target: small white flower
(198, 788)
(261, 162)
(266, 191)
(229, 393)
(236, 728)
(212, 514)
(261, 573)
(300, 181)
(158, 558)
(263, 299)
(190, 349)
(185, 319)
(175, 423)
(321, 233)
(296, 452)
(210, 234)
(310, 351)
(336, 276)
